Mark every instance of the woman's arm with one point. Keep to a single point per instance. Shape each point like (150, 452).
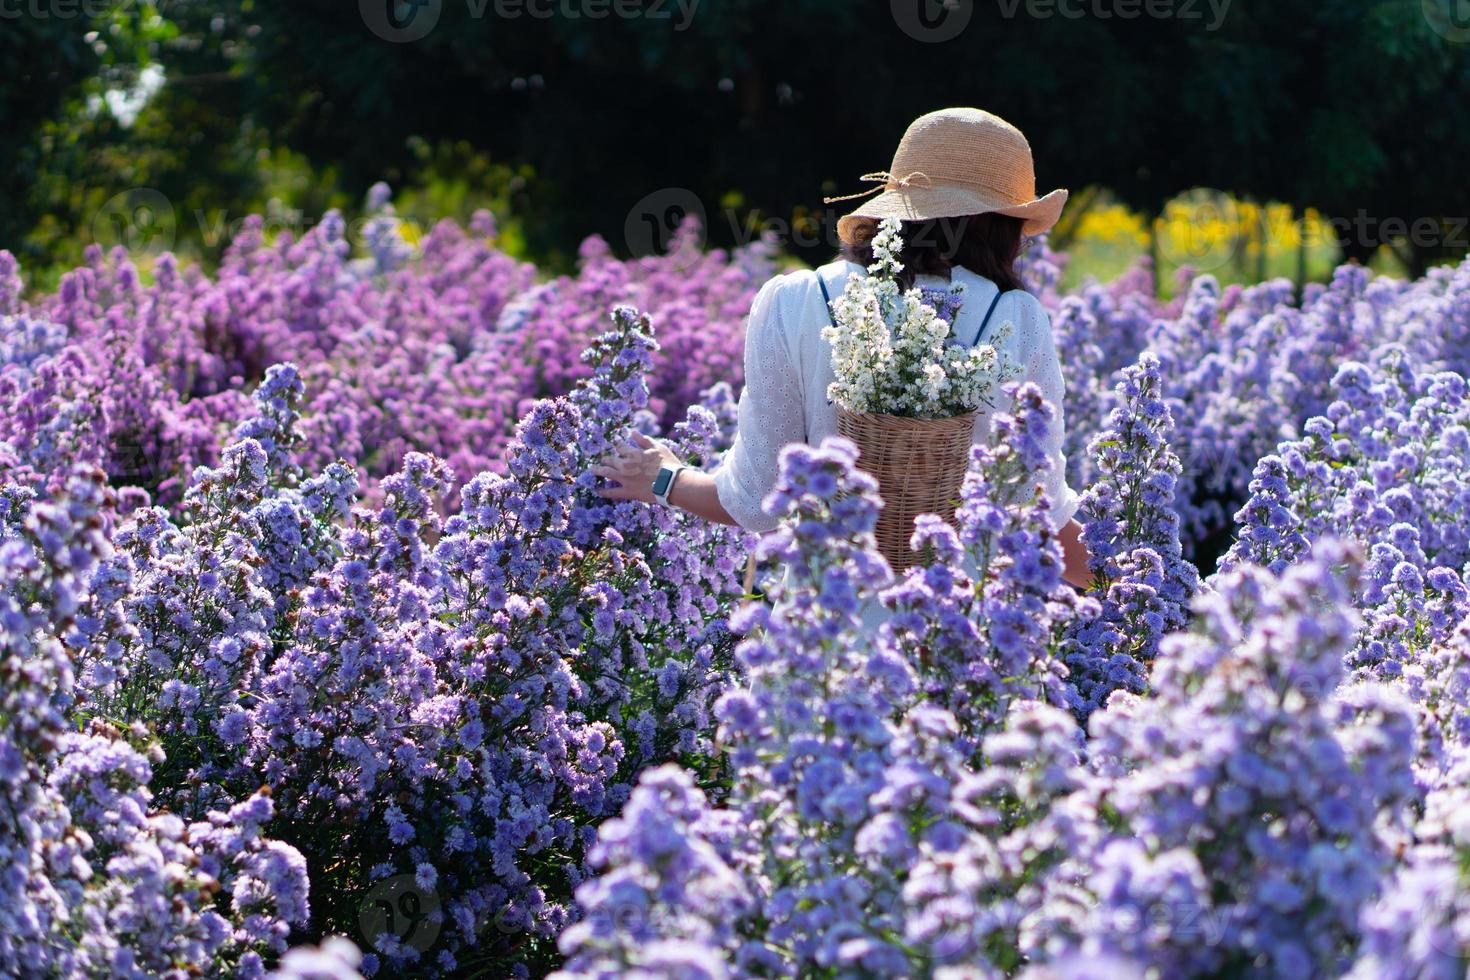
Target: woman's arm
(770, 417)
(1074, 556)
(635, 464)
(771, 414)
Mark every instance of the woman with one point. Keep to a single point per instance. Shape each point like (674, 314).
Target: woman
(963, 181)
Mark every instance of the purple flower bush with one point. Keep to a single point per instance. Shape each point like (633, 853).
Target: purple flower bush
(456, 700)
(671, 900)
(995, 584)
(1243, 369)
(1420, 925)
(1135, 555)
(320, 656)
(853, 809)
(1387, 451)
(1385, 466)
(1256, 785)
(1242, 816)
(97, 881)
(436, 348)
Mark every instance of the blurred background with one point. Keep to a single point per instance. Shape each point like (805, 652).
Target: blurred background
(1250, 138)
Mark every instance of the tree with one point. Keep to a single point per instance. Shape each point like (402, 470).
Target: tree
(753, 109)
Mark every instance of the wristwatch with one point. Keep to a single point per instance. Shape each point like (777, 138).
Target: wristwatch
(663, 484)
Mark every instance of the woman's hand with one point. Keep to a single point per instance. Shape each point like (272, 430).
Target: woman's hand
(1075, 560)
(634, 465)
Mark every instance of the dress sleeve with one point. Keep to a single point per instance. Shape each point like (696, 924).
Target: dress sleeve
(1037, 356)
(771, 415)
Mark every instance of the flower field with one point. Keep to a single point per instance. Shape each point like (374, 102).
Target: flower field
(312, 626)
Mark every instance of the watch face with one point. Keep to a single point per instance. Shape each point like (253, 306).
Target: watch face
(661, 482)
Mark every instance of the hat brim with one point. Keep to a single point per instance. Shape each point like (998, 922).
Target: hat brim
(926, 203)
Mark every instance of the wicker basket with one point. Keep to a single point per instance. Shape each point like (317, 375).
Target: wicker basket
(919, 465)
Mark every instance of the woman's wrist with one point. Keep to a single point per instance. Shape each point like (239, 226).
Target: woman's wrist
(633, 467)
(696, 493)
(663, 488)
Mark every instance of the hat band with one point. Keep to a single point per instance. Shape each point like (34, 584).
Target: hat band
(887, 181)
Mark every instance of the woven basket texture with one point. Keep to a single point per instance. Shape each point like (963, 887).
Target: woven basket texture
(919, 465)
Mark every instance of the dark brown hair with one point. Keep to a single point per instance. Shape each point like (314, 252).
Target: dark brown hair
(986, 244)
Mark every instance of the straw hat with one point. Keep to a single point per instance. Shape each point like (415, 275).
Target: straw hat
(956, 162)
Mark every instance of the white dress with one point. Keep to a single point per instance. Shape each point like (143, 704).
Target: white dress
(788, 367)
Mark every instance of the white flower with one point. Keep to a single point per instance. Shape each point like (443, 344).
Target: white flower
(891, 352)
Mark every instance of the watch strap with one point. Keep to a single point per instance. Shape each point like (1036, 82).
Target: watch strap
(673, 472)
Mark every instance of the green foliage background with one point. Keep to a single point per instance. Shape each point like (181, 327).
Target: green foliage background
(562, 123)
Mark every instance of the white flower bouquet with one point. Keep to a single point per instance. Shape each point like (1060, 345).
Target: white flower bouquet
(891, 349)
(906, 395)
